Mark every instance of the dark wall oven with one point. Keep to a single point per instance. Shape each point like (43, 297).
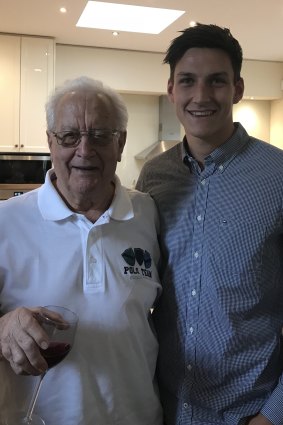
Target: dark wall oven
(20, 173)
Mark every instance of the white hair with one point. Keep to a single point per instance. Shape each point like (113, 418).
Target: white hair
(92, 86)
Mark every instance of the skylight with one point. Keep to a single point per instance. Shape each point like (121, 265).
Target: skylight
(122, 17)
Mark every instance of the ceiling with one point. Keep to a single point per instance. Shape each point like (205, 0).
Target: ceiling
(256, 24)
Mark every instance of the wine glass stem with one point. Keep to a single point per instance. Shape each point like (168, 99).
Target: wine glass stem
(30, 410)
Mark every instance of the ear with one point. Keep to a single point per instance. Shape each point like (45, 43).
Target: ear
(170, 86)
(121, 144)
(239, 91)
(49, 138)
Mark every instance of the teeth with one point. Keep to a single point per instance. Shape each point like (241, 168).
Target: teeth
(201, 113)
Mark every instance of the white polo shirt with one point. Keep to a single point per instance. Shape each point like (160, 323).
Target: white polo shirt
(107, 273)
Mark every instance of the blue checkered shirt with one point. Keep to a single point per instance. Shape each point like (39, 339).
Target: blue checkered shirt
(220, 317)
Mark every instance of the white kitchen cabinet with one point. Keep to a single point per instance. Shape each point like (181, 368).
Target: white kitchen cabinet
(10, 59)
(37, 81)
(30, 85)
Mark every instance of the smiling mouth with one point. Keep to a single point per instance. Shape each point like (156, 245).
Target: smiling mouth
(201, 114)
(86, 168)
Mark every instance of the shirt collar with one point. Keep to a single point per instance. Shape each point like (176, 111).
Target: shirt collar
(52, 206)
(50, 203)
(226, 152)
(121, 207)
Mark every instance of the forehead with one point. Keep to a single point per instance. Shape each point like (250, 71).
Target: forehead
(208, 60)
(84, 109)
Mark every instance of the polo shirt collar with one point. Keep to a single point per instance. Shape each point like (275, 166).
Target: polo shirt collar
(50, 203)
(52, 206)
(121, 207)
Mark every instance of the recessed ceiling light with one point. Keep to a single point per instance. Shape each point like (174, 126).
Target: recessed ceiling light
(115, 33)
(123, 17)
(63, 10)
(193, 24)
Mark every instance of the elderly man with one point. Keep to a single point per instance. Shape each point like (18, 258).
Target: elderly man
(83, 241)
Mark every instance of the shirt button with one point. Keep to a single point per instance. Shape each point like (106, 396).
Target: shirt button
(203, 182)
(221, 167)
(196, 254)
(185, 405)
(194, 292)
(191, 329)
(199, 218)
(189, 367)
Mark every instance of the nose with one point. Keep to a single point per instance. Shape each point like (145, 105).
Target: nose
(85, 148)
(202, 92)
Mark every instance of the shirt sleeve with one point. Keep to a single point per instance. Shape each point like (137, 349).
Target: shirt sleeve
(273, 408)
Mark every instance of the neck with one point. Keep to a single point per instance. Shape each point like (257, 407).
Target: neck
(200, 148)
(87, 205)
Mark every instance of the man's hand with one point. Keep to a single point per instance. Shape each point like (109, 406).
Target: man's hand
(21, 337)
(258, 420)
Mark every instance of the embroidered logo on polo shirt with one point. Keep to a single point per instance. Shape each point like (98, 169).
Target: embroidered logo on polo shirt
(139, 262)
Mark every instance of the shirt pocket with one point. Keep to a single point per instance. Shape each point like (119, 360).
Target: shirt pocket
(239, 245)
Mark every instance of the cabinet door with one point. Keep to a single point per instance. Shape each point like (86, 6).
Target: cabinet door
(9, 92)
(37, 81)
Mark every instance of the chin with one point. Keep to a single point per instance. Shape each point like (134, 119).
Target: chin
(85, 189)
(204, 132)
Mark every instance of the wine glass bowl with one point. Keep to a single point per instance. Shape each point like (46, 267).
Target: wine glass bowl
(61, 331)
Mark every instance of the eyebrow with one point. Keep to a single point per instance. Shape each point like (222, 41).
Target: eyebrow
(192, 74)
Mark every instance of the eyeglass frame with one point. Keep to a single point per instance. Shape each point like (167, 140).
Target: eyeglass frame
(59, 139)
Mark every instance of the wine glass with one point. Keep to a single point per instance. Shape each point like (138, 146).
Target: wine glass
(60, 324)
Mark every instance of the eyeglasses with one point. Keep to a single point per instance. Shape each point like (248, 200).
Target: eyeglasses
(97, 137)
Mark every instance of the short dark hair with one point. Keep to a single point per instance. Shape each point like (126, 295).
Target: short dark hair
(202, 35)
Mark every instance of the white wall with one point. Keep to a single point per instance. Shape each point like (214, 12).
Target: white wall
(142, 131)
(276, 123)
(254, 115)
(262, 79)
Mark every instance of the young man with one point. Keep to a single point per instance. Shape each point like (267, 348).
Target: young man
(84, 241)
(220, 196)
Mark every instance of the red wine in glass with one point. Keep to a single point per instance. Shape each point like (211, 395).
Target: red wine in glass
(55, 353)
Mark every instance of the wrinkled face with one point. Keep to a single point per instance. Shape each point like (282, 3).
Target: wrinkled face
(85, 171)
(203, 92)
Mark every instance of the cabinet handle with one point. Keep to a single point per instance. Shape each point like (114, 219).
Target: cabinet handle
(16, 146)
(22, 146)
